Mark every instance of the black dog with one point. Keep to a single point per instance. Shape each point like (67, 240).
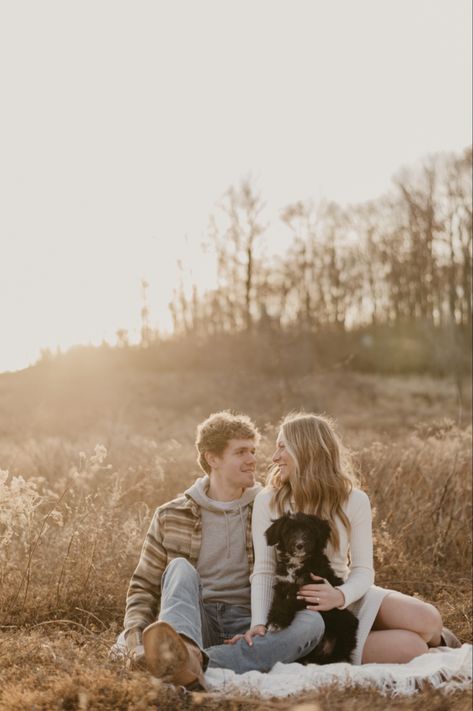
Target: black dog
(300, 541)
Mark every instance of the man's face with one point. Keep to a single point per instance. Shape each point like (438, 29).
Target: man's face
(236, 466)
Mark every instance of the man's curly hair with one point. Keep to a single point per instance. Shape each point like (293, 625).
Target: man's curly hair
(214, 433)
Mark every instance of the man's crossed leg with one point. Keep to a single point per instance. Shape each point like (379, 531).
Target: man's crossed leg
(202, 629)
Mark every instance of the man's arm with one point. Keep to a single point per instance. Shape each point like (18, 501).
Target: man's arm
(144, 590)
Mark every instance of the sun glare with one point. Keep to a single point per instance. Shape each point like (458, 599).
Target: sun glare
(112, 179)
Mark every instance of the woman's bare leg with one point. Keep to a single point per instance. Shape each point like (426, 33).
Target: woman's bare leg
(402, 612)
(403, 629)
(392, 647)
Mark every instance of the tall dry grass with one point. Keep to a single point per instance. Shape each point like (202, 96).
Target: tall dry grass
(74, 514)
(69, 546)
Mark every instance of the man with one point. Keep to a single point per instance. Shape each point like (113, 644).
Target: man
(194, 570)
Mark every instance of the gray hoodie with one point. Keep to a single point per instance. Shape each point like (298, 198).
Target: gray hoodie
(223, 560)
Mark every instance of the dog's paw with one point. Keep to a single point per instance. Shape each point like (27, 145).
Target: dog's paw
(273, 627)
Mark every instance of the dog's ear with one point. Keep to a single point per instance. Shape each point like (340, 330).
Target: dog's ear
(321, 529)
(274, 532)
(324, 531)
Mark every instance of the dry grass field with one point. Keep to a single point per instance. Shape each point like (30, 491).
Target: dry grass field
(91, 452)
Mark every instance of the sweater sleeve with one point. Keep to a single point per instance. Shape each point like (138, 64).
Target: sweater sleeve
(144, 591)
(262, 578)
(361, 575)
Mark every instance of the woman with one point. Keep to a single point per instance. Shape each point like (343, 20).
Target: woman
(312, 474)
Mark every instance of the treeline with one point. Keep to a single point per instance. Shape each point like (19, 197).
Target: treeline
(401, 261)
(384, 286)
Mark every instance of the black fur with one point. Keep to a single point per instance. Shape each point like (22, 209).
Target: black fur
(300, 540)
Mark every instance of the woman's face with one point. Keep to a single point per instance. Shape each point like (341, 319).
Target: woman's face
(285, 462)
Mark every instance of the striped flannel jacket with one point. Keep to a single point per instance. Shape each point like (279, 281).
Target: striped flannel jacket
(175, 532)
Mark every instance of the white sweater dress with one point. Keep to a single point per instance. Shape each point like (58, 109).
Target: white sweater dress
(353, 562)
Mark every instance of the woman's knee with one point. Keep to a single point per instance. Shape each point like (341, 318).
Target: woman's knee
(430, 622)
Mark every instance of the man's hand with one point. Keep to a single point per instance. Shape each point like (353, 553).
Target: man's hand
(257, 631)
(136, 658)
(135, 649)
(320, 595)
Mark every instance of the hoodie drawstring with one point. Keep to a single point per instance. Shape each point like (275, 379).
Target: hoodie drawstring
(227, 533)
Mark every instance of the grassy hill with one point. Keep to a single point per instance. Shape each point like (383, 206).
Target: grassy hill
(94, 442)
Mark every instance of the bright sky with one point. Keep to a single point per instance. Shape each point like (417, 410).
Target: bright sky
(123, 122)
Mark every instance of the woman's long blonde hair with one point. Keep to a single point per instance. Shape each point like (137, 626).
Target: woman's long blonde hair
(323, 477)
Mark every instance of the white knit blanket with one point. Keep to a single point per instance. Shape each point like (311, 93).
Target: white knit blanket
(441, 668)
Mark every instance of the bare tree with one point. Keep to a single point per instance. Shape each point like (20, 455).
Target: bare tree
(402, 260)
(145, 327)
(234, 232)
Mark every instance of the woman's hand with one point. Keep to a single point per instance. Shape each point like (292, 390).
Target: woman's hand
(320, 595)
(257, 631)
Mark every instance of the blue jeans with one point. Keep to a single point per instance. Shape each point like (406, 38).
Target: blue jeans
(209, 624)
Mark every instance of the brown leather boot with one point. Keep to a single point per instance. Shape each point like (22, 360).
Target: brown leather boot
(171, 658)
